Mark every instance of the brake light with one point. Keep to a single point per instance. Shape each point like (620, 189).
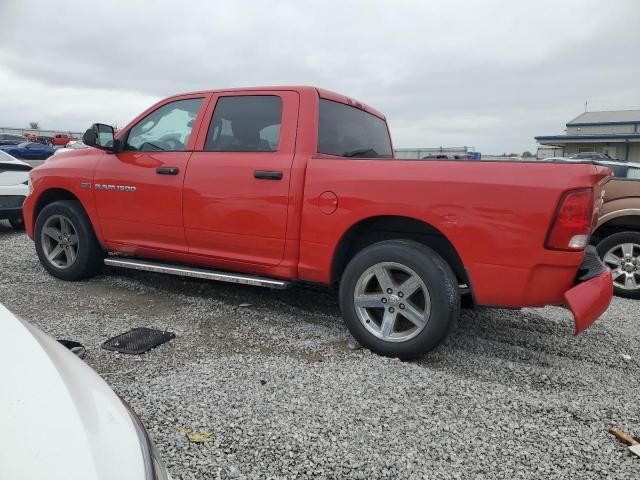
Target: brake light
(573, 222)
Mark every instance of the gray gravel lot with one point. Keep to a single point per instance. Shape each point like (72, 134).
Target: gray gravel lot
(511, 394)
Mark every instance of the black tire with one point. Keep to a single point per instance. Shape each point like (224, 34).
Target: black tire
(90, 256)
(17, 223)
(439, 280)
(611, 242)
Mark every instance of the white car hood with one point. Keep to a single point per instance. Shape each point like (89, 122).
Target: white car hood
(58, 418)
(10, 177)
(8, 159)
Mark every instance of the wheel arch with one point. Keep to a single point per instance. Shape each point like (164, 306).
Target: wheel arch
(55, 194)
(622, 223)
(52, 195)
(391, 227)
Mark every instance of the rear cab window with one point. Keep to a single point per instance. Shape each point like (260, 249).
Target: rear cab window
(347, 131)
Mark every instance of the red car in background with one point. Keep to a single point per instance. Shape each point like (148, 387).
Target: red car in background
(61, 139)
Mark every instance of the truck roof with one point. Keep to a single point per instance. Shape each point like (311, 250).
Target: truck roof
(321, 92)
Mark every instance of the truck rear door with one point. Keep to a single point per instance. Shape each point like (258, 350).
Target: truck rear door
(236, 189)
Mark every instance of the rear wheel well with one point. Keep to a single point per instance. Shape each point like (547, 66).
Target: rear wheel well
(616, 225)
(378, 229)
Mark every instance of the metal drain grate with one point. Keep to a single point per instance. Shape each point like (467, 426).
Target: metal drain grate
(138, 340)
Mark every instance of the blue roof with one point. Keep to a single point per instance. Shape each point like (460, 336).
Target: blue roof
(611, 136)
(613, 117)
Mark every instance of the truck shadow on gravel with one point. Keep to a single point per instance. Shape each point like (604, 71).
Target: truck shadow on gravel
(532, 339)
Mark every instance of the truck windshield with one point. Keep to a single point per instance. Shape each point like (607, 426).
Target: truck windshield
(350, 132)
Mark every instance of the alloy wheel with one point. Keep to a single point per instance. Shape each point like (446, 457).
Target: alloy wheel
(624, 262)
(392, 302)
(59, 241)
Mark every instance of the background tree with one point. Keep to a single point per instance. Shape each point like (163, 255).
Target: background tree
(527, 154)
(34, 125)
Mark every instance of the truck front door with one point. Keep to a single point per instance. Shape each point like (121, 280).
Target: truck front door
(236, 190)
(138, 191)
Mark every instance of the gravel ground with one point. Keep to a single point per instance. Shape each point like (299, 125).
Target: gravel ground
(511, 394)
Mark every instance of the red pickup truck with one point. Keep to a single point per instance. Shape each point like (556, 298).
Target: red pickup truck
(269, 186)
(61, 139)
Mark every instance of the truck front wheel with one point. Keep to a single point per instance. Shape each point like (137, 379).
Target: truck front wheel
(65, 242)
(399, 298)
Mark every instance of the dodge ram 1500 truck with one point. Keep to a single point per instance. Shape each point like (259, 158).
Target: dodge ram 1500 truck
(269, 186)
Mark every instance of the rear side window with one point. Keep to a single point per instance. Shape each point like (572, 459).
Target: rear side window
(633, 173)
(350, 132)
(624, 171)
(246, 123)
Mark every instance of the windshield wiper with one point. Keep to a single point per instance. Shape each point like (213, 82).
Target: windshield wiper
(363, 152)
(159, 149)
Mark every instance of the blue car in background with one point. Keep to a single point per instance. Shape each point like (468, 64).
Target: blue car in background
(29, 150)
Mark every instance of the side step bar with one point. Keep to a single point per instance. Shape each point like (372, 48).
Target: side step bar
(184, 271)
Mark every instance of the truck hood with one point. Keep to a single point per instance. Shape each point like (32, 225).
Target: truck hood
(69, 153)
(59, 419)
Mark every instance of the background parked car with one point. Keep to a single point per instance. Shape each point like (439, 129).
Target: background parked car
(60, 419)
(438, 156)
(61, 139)
(11, 139)
(45, 140)
(31, 150)
(617, 237)
(70, 147)
(589, 156)
(13, 189)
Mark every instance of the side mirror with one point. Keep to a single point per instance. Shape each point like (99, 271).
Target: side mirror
(101, 136)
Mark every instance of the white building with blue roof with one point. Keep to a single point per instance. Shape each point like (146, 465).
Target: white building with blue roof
(614, 133)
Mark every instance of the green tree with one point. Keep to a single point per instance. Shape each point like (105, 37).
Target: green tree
(34, 125)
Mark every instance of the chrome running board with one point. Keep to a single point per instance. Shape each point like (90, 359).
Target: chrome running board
(184, 271)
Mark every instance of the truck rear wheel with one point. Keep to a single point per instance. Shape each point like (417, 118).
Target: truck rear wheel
(65, 241)
(621, 253)
(399, 298)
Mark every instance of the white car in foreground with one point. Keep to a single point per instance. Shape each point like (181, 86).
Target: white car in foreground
(14, 176)
(59, 420)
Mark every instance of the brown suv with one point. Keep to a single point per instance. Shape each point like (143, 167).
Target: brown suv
(617, 237)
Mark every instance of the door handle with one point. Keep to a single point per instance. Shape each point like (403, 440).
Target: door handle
(268, 174)
(167, 170)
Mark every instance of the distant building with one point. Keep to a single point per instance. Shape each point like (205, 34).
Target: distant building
(615, 133)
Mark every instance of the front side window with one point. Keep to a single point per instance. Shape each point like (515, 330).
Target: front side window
(247, 123)
(166, 129)
(350, 132)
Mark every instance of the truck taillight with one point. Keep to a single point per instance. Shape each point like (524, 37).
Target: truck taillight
(573, 221)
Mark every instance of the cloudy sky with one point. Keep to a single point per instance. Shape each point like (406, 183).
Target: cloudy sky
(487, 73)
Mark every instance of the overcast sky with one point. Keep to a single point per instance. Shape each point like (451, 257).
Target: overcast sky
(490, 74)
